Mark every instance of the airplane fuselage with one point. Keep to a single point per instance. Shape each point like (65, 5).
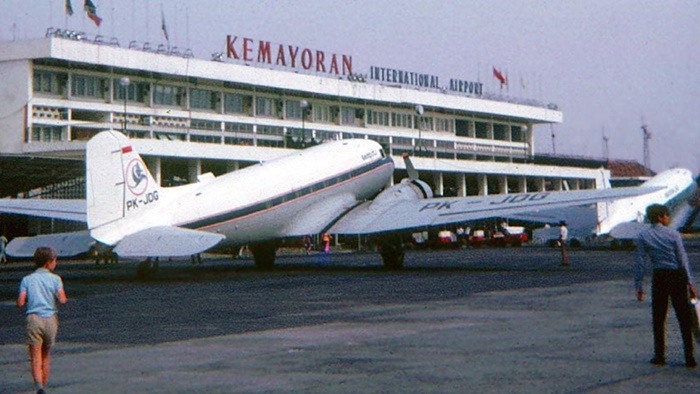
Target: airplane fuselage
(294, 195)
(679, 187)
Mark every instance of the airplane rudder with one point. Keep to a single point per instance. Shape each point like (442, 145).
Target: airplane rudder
(118, 180)
(140, 187)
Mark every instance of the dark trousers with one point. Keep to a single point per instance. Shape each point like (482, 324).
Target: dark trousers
(674, 285)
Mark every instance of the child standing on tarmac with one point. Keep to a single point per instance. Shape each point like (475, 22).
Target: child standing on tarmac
(39, 291)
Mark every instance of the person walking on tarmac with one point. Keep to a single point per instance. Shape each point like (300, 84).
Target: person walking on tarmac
(39, 291)
(326, 238)
(3, 244)
(671, 278)
(563, 236)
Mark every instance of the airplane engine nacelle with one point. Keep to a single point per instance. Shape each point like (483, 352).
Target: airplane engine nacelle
(406, 190)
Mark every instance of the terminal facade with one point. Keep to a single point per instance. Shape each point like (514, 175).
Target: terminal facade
(190, 116)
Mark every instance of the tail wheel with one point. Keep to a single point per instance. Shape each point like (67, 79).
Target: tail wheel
(264, 254)
(147, 269)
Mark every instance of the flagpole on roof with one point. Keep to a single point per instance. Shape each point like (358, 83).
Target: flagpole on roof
(163, 27)
(187, 24)
(134, 34)
(148, 17)
(111, 15)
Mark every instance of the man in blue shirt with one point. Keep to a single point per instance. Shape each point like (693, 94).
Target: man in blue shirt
(39, 291)
(672, 279)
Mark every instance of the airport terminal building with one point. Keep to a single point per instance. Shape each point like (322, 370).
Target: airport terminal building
(254, 102)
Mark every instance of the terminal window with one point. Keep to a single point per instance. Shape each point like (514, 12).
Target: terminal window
(50, 82)
(238, 104)
(203, 99)
(88, 86)
(168, 95)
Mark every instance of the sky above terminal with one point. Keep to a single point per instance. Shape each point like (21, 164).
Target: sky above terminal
(610, 66)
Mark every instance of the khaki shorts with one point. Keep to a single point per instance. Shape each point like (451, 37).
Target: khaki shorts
(41, 330)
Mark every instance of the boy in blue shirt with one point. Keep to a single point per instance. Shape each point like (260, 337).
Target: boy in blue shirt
(39, 291)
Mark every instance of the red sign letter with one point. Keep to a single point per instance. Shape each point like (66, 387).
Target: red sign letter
(264, 52)
(230, 50)
(247, 49)
(320, 57)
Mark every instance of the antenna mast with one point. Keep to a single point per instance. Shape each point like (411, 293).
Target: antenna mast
(606, 151)
(647, 137)
(554, 146)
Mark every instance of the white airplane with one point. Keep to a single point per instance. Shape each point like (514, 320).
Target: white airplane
(622, 219)
(340, 187)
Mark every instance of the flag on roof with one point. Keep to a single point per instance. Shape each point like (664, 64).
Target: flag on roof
(499, 76)
(69, 8)
(92, 12)
(162, 25)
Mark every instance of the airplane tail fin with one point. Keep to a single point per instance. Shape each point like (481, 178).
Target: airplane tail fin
(117, 180)
(604, 208)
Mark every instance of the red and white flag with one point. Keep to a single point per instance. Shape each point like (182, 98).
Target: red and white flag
(499, 76)
(92, 12)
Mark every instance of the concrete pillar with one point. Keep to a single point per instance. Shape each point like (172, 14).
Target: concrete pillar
(232, 166)
(522, 184)
(557, 184)
(194, 168)
(503, 184)
(461, 185)
(482, 184)
(439, 183)
(154, 165)
(540, 185)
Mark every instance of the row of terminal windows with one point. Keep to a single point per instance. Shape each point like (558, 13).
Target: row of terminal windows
(138, 91)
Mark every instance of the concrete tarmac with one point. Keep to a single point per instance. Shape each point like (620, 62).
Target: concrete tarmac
(588, 336)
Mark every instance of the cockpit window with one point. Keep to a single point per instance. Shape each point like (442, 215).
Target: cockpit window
(381, 151)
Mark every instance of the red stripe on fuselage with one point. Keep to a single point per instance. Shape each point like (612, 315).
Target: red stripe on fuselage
(250, 215)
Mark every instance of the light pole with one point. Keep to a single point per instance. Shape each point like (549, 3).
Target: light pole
(419, 112)
(124, 82)
(304, 106)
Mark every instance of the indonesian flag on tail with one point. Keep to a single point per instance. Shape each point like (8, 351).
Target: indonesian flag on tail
(499, 76)
(92, 12)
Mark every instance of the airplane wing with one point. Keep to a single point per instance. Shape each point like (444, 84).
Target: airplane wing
(66, 244)
(56, 209)
(398, 215)
(629, 230)
(170, 241)
(585, 216)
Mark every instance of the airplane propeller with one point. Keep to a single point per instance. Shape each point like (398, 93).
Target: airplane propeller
(412, 172)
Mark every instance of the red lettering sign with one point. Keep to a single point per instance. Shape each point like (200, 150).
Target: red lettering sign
(250, 50)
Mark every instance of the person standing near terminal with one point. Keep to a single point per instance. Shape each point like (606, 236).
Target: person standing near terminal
(326, 238)
(563, 236)
(39, 291)
(3, 244)
(672, 278)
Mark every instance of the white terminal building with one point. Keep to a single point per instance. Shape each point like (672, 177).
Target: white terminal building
(189, 116)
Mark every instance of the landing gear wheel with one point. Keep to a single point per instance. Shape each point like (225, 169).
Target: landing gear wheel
(391, 249)
(264, 254)
(147, 269)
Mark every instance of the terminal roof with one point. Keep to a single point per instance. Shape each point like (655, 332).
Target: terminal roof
(21, 173)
